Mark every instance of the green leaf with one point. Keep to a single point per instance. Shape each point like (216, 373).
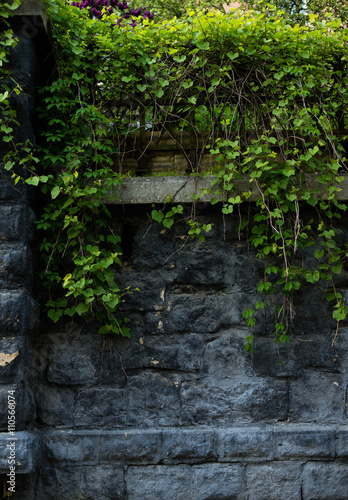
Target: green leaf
(319, 253)
(168, 223)
(33, 181)
(55, 314)
(203, 45)
(337, 269)
(55, 192)
(82, 308)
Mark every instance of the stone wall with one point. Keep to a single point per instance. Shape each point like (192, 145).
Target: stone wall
(181, 410)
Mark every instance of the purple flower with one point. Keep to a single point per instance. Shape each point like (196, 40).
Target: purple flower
(110, 10)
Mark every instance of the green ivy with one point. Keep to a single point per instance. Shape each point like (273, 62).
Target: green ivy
(267, 97)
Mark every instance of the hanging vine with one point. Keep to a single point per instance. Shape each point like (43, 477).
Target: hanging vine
(267, 100)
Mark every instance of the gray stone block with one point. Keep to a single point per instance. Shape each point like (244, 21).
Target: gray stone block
(73, 360)
(13, 359)
(152, 247)
(55, 406)
(237, 400)
(183, 352)
(9, 192)
(342, 442)
(188, 313)
(100, 407)
(305, 442)
(87, 482)
(318, 352)
(130, 446)
(274, 481)
(206, 264)
(226, 354)
(16, 223)
(25, 486)
(154, 399)
(25, 406)
(274, 360)
(317, 397)
(325, 481)
(19, 313)
(70, 448)
(24, 448)
(15, 266)
(188, 445)
(217, 481)
(159, 482)
(151, 285)
(245, 443)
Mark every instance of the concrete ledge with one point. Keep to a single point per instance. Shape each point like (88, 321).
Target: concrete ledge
(146, 190)
(34, 9)
(26, 450)
(189, 446)
(30, 8)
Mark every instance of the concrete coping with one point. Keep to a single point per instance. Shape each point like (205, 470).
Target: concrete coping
(147, 190)
(32, 8)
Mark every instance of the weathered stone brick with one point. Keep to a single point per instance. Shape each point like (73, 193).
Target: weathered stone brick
(13, 359)
(342, 442)
(67, 448)
(217, 481)
(89, 482)
(159, 482)
(325, 481)
(26, 450)
(274, 481)
(55, 406)
(304, 442)
(317, 397)
(101, 407)
(188, 445)
(245, 443)
(19, 313)
(16, 268)
(25, 405)
(72, 360)
(236, 400)
(16, 223)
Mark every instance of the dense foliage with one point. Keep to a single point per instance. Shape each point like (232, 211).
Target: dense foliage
(99, 8)
(269, 100)
(298, 11)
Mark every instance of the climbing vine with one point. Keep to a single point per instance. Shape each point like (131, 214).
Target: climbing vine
(267, 100)
(8, 86)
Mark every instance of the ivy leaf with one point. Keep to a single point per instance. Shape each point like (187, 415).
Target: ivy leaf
(33, 181)
(54, 314)
(81, 308)
(319, 253)
(203, 45)
(232, 56)
(55, 192)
